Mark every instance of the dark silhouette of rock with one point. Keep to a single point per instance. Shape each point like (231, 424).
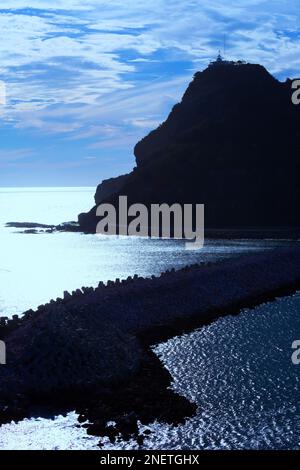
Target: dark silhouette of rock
(109, 187)
(232, 143)
(28, 225)
(37, 228)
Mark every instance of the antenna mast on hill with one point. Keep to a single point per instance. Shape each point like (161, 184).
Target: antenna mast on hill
(224, 45)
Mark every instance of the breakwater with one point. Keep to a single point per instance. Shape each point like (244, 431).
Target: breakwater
(96, 340)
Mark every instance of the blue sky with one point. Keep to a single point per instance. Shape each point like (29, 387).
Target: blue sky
(85, 80)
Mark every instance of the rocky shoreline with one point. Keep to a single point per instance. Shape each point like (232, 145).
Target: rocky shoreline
(91, 350)
(254, 233)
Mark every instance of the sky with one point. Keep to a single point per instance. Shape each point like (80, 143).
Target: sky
(84, 80)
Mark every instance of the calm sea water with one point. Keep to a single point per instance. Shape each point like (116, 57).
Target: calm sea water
(238, 370)
(35, 268)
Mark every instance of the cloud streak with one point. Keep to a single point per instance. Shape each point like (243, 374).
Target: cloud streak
(70, 51)
(100, 73)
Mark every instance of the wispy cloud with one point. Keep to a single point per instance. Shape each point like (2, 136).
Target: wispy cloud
(100, 73)
(11, 156)
(74, 52)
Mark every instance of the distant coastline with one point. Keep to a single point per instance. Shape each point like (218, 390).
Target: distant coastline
(254, 233)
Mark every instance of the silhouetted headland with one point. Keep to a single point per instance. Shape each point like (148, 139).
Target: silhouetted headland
(232, 144)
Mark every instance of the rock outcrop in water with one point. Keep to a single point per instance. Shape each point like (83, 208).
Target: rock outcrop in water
(232, 143)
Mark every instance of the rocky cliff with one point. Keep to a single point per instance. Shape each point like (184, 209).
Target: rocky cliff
(232, 143)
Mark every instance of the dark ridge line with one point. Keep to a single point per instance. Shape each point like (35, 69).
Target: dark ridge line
(181, 326)
(7, 325)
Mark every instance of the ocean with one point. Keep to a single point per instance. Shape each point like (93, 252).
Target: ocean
(35, 268)
(238, 370)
